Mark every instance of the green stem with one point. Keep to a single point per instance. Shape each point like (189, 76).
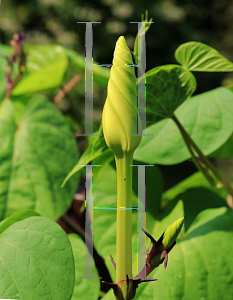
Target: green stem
(194, 158)
(124, 217)
(203, 158)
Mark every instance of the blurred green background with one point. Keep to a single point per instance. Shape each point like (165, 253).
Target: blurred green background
(175, 22)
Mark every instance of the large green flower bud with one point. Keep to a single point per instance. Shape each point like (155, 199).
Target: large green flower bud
(120, 110)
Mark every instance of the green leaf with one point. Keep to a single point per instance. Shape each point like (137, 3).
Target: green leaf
(166, 88)
(16, 217)
(46, 66)
(36, 261)
(41, 56)
(196, 180)
(196, 56)
(97, 146)
(226, 150)
(84, 288)
(206, 117)
(208, 267)
(49, 77)
(100, 74)
(200, 266)
(196, 200)
(36, 154)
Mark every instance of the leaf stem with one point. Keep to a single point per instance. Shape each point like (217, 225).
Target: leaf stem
(124, 216)
(191, 144)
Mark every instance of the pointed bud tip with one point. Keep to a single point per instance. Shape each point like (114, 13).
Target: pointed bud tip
(121, 39)
(172, 233)
(121, 42)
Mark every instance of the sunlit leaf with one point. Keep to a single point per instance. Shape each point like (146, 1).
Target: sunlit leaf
(37, 151)
(36, 261)
(167, 87)
(196, 56)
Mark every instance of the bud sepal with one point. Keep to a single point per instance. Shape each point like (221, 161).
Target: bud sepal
(158, 251)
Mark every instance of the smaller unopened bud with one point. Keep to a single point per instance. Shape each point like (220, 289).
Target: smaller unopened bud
(172, 232)
(158, 251)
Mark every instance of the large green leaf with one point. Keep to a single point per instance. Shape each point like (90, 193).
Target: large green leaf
(16, 217)
(41, 56)
(206, 117)
(36, 154)
(46, 66)
(166, 88)
(84, 288)
(36, 261)
(199, 57)
(196, 200)
(196, 180)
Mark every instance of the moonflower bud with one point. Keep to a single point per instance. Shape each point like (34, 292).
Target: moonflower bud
(120, 110)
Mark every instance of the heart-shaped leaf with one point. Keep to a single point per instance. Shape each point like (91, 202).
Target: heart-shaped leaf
(36, 154)
(36, 261)
(166, 88)
(206, 117)
(196, 56)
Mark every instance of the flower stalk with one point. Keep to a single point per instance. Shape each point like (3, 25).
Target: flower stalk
(120, 128)
(203, 163)
(124, 216)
